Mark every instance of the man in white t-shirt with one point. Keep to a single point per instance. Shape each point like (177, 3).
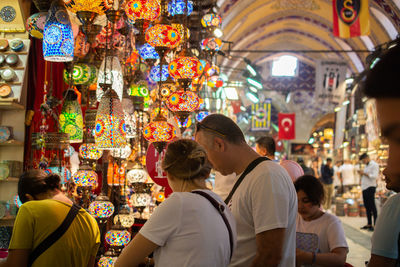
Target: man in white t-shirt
(264, 204)
(224, 184)
(346, 174)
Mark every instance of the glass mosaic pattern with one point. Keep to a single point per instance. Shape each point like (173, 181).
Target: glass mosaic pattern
(159, 131)
(118, 238)
(178, 7)
(213, 70)
(35, 24)
(81, 46)
(101, 209)
(211, 44)
(140, 200)
(80, 74)
(112, 75)
(107, 261)
(139, 89)
(156, 111)
(146, 51)
(90, 151)
(183, 101)
(181, 29)
(58, 39)
(215, 82)
(138, 175)
(126, 220)
(201, 115)
(185, 68)
(155, 74)
(71, 121)
(130, 118)
(161, 35)
(85, 178)
(110, 130)
(143, 9)
(185, 124)
(211, 20)
(64, 173)
(122, 153)
(96, 6)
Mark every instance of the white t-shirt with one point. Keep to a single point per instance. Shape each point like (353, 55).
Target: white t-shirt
(265, 200)
(336, 180)
(329, 230)
(190, 232)
(347, 172)
(372, 169)
(224, 184)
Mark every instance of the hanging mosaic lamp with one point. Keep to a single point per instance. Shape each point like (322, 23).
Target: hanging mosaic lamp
(201, 115)
(111, 75)
(90, 151)
(139, 89)
(155, 73)
(137, 174)
(140, 200)
(143, 10)
(81, 45)
(211, 20)
(95, 6)
(85, 177)
(116, 174)
(58, 39)
(181, 28)
(167, 89)
(125, 217)
(146, 51)
(110, 131)
(101, 207)
(35, 24)
(213, 70)
(178, 7)
(71, 119)
(197, 83)
(159, 132)
(122, 153)
(156, 111)
(163, 37)
(118, 237)
(56, 167)
(129, 116)
(108, 260)
(182, 103)
(81, 74)
(215, 82)
(184, 69)
(211, 44)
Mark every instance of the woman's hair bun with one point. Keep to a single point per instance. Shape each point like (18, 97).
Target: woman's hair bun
(53, 181)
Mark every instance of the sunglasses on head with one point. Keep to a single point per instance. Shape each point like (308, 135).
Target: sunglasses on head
(200, 126)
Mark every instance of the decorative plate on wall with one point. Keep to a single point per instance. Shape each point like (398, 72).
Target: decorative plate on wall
(8, 13)
(4, 171)
(5, 133)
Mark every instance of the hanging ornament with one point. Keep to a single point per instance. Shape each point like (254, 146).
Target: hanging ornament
(139, 89)
(35, 24)
(162, 36)
(143, 10)
(155, 73)
(184, 69)
(108, 260)
(215, 82)
(71, 119)
(201, 115)
(85, 177)
(125, 217)
(182, 103)
(95, 6)
(90, 151)
(211, 20)
(137, 174)
(211, 44)
(129, 116)
(146, 51)
(111, 75)
(159, 132)
(101, 208)
(178, 7)
(118, 237)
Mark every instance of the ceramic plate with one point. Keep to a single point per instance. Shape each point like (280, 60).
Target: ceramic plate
(4, 133)
(4, 171)
(5, 90)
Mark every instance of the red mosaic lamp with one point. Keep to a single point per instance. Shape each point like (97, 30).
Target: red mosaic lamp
(159, 132)
(163, 37)
(182, 103)
(185, 69)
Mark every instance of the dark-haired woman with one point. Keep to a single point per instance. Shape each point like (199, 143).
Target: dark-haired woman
(45, 208)
(186, 229)
(333, 248)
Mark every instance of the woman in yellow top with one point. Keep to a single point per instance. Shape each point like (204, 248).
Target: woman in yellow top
(45, 208)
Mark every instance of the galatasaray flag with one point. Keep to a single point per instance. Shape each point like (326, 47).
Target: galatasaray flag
(350, 18)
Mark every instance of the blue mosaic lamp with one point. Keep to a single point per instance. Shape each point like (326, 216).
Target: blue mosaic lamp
(201, 115)
(178, 7)
(155, 74)
(58, 39)
(146, 51)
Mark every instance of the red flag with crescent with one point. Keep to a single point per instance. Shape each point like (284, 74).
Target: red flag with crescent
(287, 123)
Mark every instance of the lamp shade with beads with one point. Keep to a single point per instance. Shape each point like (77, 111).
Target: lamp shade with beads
(71, 119)
(101, 208)
(85, 177)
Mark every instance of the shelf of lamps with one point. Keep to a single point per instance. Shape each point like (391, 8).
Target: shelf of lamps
(10, 179)
(8, 105)
(12, 143)
(7, 221)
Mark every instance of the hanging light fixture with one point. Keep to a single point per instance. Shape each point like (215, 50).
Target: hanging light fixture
(108, 260)
(146, 51)
(85, 177)
(184, 69)
(125, 217)
(163, 37)
(71, 119)
(159, 132)
(110, 131)
(56, 167)
(35, 24)
(58, 39)
(139, 89)
(155, 74)
(90, 151)
(211, 45)
(101, 208)
(211, 20)
(137, 174)
(201, 115)
(129, 117)
(178, 7)
(118, 237)
(110, 72)
(182, 103)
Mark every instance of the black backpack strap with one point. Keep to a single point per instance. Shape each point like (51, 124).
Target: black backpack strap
(249, 168)
(220, 208)
(53, 237)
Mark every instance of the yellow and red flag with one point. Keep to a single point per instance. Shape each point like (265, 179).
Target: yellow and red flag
(350, 18)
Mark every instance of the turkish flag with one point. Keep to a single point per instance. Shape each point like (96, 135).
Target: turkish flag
(287, 129)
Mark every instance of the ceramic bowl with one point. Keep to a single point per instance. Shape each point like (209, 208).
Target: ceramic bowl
(8, 74)
(16, 45)
(3, 44)
(5, 90)
(12, 60)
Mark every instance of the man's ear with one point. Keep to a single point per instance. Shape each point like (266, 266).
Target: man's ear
(219, 144)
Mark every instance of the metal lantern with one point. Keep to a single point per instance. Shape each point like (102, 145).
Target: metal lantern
(71, 119)
(85, 177)
(101, 208)
(58, 39)
(110, 132)
(111, 75)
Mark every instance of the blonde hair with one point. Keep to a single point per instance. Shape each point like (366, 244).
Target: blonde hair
(187, 160)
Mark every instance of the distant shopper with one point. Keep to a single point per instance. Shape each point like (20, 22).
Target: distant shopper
(306, 170)
(44, 210)
(316, 171)
(336, 179)
(264, 204)
(186, 229)
(346, 175)
(265, 146)
(327, 182)
(382, 84)
(368, 186)
(332, 245)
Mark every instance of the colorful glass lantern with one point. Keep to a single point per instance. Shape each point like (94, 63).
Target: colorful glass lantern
(197, 83)
(95, 6)
(163, 36)
(71, 119)
(122, 153)
(211, 20)
(143, 9)
(201, 115)
(125, 217)
(35, 24)
(215, 82)
(118, 237)
(90, 151)
(139, 89)
(116, 174)
(156, 111)
(107, 261)
(214, 70)
(211, 44)
(85, 177)
(155, 73)
(137, 174)
(81, 46)
(101, 208)
(58, 39)
(81, 74)
(112, 75)
(140, 200)
(64, 172)
(178, 7)
(160, 197)
(185, 68)
(146, 51)
(129, 116)
(110, 131)
(182, 103)
(159, 132)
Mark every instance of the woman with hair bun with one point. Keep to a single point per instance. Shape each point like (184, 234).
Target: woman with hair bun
(193, 227)
(45, 208)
